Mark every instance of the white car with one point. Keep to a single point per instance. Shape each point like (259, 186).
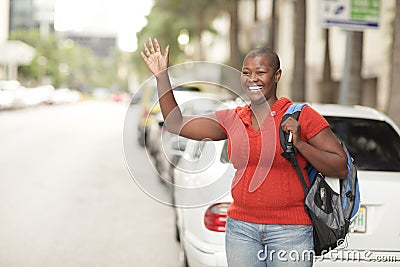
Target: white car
(160, 142)
(202, 183)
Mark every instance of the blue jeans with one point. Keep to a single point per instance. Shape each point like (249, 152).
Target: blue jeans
(260, 245)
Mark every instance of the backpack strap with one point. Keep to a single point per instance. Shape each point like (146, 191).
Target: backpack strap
(289, 150)
(292, 111)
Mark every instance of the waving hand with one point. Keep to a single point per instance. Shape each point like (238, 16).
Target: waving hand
(155, 60)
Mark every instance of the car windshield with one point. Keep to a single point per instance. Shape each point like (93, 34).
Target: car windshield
(154, 97)
(374, 145)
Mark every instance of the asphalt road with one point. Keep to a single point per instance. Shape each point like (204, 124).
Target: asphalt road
(67, 197)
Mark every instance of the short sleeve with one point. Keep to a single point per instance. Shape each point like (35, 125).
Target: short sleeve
(311, 122)
(226, 118)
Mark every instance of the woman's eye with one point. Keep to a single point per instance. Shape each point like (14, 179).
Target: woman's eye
(261, 73)
(245, 73)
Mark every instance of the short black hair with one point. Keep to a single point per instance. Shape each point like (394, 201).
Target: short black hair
(268, 52)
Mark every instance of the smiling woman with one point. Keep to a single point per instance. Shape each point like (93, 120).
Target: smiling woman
(266, 198)
(111, 17)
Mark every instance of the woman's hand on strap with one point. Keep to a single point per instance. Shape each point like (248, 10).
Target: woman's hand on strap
(155, 60)
(293, 126)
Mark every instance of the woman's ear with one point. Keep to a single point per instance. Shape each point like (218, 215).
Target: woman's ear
(278, 75)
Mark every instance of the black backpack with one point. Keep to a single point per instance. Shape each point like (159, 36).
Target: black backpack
(331, 213)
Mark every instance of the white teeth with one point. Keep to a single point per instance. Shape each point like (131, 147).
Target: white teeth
(255, 88)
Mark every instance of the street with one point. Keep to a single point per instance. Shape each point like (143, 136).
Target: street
(67, 197)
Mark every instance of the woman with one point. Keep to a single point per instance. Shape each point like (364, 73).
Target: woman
(267, 224)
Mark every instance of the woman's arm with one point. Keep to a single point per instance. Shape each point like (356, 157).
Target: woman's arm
(199, 127)
(323, 151)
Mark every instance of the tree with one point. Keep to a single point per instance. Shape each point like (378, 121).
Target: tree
(235, 60)
(65, 63)
(198, 18)
(166, 28)
(299, 72)
(166, 21)
(272, 35)
(394, 107)
(43, 63)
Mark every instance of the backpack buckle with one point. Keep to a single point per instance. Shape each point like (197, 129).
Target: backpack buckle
(289, 144)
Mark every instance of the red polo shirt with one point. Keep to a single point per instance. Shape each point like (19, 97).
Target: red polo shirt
(266, 188)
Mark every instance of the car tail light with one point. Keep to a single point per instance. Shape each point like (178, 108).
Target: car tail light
(215, 217)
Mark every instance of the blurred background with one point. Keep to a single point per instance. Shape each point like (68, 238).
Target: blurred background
(70, 69)
(329, 54)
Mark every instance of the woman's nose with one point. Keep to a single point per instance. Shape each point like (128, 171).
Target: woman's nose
(253, 77)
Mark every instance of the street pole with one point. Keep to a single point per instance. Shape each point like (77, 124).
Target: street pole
(344, 85)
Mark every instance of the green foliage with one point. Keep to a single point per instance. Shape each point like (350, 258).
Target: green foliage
(44, 50)
(65, 62)
(166, 21)
(166, 28)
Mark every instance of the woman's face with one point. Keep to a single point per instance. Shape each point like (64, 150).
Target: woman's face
(259, 78)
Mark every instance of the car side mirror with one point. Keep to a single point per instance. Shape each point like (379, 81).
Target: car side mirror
(179, 145)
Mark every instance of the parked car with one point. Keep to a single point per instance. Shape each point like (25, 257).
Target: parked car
(200, 228)
(101, 93)
(165, 146)
(149, 106)
(123, 97)
(6, 98)
(36, 95)
(136, 98)
(13, 95)
(64, 96)
(374, 240)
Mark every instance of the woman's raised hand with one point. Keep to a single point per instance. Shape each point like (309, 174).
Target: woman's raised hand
(155, 60)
